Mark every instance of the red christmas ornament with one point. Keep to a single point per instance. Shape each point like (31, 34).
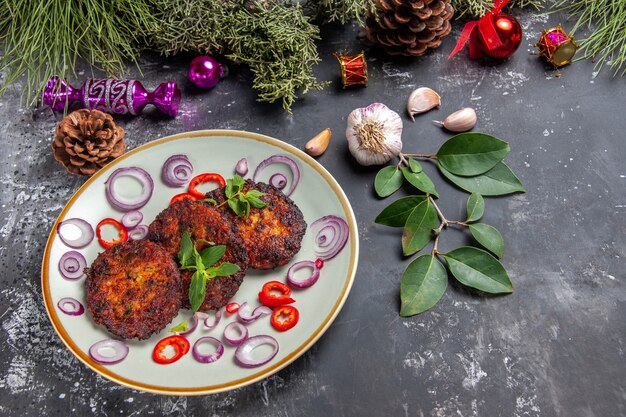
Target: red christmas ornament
(496, 35)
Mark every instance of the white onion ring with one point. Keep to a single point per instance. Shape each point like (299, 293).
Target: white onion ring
(331, 234)
(243, 354)
(121, 351)
(126, 204)
(72, 265)
(75, 307)
(176, 170)
(138, 232)
(246, 315)
(242, 167)
(307, 282)
(282, 159)
(211, 357)
(86, 233)
(235, 333)
(131, 219)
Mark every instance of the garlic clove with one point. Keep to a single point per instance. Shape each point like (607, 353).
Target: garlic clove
(318, 144)
(460, 121)
(422, 100)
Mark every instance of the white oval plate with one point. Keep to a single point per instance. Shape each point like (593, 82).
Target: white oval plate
(317, 195)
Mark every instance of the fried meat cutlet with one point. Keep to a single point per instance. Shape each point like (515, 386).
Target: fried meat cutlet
(271, 235)
(133, 289)
(203, 222)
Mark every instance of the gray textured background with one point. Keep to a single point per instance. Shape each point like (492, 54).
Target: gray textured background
(555, 347)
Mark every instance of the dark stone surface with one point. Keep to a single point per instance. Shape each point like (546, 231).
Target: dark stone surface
(555, 347)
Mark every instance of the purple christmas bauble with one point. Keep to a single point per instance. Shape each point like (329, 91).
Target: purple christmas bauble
(205, 71)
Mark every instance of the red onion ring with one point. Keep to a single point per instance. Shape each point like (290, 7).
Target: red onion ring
(86, 233)
(176, 171)
(128, 204)
(235, 333)
(246, 316)
(72, 265)
(197, 316)
(210, 325)
(131, 219)
(278, 180)
(138, 232)
(71, 306)
(211, 357)
(242, 167)
(282, 159)
(331, 234)
(307, 282)
(243, 354)
(121, 351)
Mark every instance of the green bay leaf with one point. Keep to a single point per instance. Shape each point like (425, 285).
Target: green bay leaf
(419, 227)
(387, 181)
(396, 213)
(423, 284)
(499, 180)
(415, 166)
(421, 181)
(472, 153)
(478, 269)
(489, 237)
(475, 207)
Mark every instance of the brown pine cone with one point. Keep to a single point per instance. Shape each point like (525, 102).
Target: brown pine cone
(86, 140)
(407, 27)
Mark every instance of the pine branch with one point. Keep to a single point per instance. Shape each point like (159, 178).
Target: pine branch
(477, 8)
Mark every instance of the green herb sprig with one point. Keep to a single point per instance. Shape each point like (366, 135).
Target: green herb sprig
(473, 162)
(238, 200)
(202, 263)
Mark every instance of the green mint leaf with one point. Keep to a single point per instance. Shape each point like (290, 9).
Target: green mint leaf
(197, 290)
(225, 269)
(256, 202)
(234, 206)
(415, 166)
(244, 206)
(423, 284)
(489, 237)
(419, 226)
(210, 201)
(180, 327)
(198, 260)
(238, 181)
(396, 213)
(420, 181)
(475, 207)
(387, 181)
(212, 254)
(185, 251)
(255, 193)
(228, 190)
(471, 153)
(499, 180)
(478, 269)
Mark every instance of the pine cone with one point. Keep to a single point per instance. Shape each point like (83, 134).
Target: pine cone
(408, 27)
(87, 140)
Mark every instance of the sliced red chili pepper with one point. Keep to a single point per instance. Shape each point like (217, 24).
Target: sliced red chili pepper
(178, 343)
(201, 179)
(269, 299)
(232, 308)
(182, 196)
(123, 233)
(284, 318)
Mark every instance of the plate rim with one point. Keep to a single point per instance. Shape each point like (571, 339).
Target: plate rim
(255, 377)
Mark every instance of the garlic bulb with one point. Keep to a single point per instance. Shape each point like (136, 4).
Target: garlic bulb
(460, 121)
(422, 100)
(374, 134)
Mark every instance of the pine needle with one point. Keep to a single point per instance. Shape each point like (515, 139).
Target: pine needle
(477, 8)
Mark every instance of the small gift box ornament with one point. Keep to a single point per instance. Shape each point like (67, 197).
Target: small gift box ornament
(557, 46)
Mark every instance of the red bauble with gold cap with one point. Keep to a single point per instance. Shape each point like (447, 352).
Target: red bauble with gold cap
(508, 31)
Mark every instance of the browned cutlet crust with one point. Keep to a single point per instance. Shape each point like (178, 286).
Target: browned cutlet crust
(202, 221)
(133, 289)
(272, 235)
